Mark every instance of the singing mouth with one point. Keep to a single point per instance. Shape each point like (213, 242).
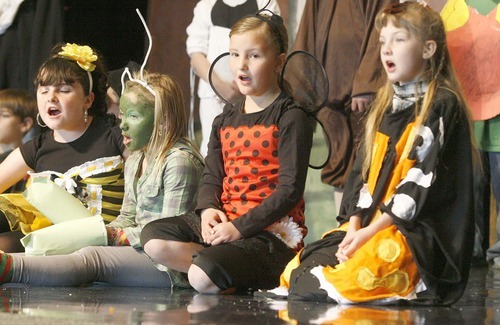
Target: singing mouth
(390, 65)
(126, 140)
(244, 77)
(54, 111)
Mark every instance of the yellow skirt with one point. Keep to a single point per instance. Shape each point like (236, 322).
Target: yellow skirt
(21, 215)
(382, 269)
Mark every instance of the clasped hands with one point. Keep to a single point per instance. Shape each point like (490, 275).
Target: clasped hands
(216, 228)
(355, 238)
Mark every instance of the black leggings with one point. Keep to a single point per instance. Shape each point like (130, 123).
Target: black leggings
(304, 285)
(250, 263)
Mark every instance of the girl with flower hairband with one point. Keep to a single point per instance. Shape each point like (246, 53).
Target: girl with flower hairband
(161, 180)
(82, 151)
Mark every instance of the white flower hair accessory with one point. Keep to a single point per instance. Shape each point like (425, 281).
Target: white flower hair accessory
(287, 231)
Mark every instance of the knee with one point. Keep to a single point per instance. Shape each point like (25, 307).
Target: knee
(90, 255)
(156, 248)
(88, 251)
(200, 281)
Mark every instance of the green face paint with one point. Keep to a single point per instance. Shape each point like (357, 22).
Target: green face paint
(137, 121)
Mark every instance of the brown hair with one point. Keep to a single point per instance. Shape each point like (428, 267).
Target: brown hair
(269, 26)
(60, 70)
(21, 102)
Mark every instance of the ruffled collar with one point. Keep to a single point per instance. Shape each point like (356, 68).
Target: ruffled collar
(407, 94)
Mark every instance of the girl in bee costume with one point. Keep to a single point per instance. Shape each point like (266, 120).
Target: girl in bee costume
(406, 220)
(82, 151)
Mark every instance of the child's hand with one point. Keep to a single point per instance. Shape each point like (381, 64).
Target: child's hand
(348, 247)
(360, 103)
(209, 219)
(224, 233)
(111, 232)
(116, 237)
(357, 237)
(354, 226)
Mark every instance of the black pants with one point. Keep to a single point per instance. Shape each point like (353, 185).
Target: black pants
(304, 285)
(250, 263)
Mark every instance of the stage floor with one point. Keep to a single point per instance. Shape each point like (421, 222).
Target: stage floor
(99, 304)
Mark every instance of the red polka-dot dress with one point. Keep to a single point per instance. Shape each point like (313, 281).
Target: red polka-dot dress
(256, 170)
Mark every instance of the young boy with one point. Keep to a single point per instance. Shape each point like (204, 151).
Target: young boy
(17, 117)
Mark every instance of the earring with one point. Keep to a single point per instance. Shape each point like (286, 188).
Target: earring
(85, 115)
(38, 118)
(160, 133)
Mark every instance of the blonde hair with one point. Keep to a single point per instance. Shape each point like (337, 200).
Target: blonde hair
(426, 24)
(170, 114)
(269, 26)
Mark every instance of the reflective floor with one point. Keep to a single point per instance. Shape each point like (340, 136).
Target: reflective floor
(100, 304)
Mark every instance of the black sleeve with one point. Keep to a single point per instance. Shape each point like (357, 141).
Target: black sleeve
(294, 150)
(354, 184)
(412, 193)
(29, 149)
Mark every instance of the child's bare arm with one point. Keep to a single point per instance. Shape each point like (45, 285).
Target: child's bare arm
(12, 170)
(350, 245)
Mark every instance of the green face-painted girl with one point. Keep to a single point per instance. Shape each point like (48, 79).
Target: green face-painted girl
(137, 121)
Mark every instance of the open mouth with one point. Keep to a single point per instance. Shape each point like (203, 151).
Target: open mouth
(53, 111)
(126, 140)
(244, 78)
(390, 65)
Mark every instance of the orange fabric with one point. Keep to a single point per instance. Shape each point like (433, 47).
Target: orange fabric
(382, 268)
(403, 164)
(369, 274)
(379, 151)
(403, 148)
(246, 188)
(292, 265)
(248, 142)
